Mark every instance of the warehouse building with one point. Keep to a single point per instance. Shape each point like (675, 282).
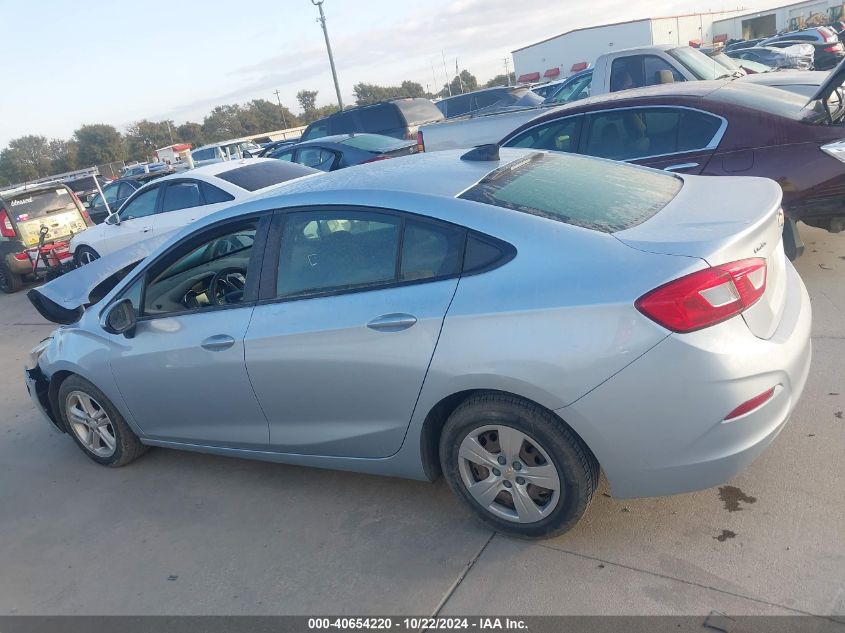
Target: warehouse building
(559, 56)
(789, 17)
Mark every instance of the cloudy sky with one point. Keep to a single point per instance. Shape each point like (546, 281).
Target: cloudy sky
(68, 62)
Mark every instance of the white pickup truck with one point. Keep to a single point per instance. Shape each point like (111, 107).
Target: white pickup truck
(613, 71)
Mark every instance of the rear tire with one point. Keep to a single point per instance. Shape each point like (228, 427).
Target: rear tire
(85, 255)
(546, 474)
(9, 281)
(96, 425)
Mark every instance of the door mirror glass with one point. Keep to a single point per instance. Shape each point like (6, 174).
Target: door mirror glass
(120, 318)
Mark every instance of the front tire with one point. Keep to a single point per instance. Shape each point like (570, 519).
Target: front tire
(85, 255)
(517, 465)
(96, 425)
(10, 282)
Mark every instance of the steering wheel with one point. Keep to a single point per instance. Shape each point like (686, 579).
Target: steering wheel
(227, 286)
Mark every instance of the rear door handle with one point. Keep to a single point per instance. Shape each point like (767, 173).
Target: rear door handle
(395, 322)
(680, 167)
(218, 342)
(146, 229)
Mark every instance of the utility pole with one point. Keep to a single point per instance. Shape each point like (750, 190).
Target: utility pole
(445, 72)
(507, 70)
(169, 131)
(322, 21)
(281, 109)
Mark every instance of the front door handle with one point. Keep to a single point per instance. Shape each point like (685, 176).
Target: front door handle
(218, 342)
(681, 167)
(395, 322)
(146, 229)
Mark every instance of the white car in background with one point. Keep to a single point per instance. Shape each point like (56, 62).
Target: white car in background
(167, 204)
(227, 150)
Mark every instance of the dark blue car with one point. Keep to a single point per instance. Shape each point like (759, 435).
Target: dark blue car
(330, 153)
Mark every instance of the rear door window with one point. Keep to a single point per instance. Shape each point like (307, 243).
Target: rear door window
(324, 251)
(181, 195)
(379, 119)
(638, 71)
(125, 191)
(559, 136)
(213, 194)
(602, 196)
(417, 111)
(643, 132)
(343, 123)
(316, 157)
(457, 106)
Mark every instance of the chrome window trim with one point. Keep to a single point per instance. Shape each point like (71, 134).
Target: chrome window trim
(712, 145)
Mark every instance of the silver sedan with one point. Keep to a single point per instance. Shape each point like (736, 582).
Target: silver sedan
(514, 320)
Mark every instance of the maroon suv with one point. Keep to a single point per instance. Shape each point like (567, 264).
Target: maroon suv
(720, 129)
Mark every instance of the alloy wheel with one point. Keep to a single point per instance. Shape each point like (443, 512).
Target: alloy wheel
(86, 257)
(509, 474)
(90, 424)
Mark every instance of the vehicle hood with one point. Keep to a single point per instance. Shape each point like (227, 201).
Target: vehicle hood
(788, 78)
(64, 299)
(834, 81)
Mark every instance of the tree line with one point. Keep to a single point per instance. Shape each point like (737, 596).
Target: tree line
(35, 156)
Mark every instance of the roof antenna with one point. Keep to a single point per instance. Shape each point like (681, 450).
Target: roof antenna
(489, 152)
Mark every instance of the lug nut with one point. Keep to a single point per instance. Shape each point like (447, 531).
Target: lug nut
(517, 466)
(507, 484)
(502, 460)
(497, 472)
(520, 480)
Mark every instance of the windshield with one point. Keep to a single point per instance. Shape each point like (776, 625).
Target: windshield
(374, 142)
(587, 192)
(576, 88)
(699, 64)
(755, 67)
(727, 62)
(28, 205)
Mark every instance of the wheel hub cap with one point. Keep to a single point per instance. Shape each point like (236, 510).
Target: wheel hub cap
(489, 458)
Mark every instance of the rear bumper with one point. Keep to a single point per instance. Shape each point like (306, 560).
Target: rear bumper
(38, 387)
(658, 428)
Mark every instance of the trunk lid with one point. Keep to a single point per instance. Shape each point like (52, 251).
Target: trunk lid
(743, 220)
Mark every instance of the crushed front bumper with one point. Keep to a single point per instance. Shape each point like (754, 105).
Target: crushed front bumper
(39, 387)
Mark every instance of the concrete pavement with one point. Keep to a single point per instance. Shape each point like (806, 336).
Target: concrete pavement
(179, 533)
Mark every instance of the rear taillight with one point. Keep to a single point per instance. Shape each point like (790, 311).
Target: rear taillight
(750, 405)
(420, 142)
(376, 158)
(836, 48)
(21, 257)
(706, 297)
(6, 228)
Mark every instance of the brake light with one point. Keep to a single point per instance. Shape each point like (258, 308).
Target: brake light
(376, 158)
(752, 404)
(706, 297)
(420, 142)
(6, 228)
(21, 257)
(836, 48)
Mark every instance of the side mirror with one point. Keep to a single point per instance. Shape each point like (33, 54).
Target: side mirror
(120, 318)
(114, 218)
(246, 154)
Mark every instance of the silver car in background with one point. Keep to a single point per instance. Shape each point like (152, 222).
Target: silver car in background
(514, 320)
